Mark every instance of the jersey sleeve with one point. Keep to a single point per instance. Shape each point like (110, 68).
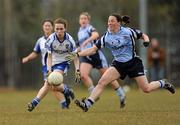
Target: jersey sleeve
(73, 46)
(137, 34)
(91, 29)
(49, 44)
(100, 43)
(37, 48)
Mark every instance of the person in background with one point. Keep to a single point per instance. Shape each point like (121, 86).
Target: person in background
(156, 60)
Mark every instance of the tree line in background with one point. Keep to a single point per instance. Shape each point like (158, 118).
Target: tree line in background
(20, 26)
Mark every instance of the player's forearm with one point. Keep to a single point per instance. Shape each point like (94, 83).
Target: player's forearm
(32, 56)
(145, 37)
(88, 52)
(94, 36)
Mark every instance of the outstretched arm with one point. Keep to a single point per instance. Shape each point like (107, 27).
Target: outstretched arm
(72, 55)
(88, 52)
(30, 57)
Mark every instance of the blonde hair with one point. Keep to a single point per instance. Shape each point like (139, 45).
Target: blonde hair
(86, 14)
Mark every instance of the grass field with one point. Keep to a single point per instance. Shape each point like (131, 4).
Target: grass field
(157, 108)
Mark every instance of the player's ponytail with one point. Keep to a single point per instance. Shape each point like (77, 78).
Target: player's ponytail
(125, 19)
(122, 19)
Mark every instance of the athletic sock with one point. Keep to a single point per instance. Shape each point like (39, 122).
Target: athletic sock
(120, 92)
(66, 89)
(63, 104)
(88, 103)
(35, 101)
(162, 83)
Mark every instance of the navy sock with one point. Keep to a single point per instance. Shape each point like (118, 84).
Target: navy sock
(35, 101)
(66, 89)
(162, 83)
(63, 104)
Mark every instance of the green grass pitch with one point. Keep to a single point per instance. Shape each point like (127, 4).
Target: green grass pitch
(157, 108)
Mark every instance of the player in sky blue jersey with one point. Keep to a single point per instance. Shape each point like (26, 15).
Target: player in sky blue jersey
(41, 49)
(121, 42)
(87, 35)
(59, 44)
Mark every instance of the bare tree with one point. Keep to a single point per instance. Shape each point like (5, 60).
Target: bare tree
(10, 48)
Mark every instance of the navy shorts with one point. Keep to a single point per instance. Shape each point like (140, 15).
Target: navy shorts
(97, 60)
(132, 68)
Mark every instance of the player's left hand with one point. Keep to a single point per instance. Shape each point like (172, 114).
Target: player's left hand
(146, 43)
(77, 76)
(71, 56)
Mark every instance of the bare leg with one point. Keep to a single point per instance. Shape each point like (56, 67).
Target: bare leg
(119, 90)
(43, 91)
(145, 86)
(149, 87)
(85, 69)
(106, 78)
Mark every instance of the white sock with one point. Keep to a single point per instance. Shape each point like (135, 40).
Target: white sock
(120, 92)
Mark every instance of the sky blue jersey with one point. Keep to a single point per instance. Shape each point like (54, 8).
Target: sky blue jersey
(83, 34)
(40, 48)
(121, 44)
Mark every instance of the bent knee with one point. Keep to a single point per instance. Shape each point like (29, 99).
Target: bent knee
(54, 88)
(146, 89)
(84, 77)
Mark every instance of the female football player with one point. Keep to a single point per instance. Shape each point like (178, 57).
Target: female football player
(87, 35)
(40, 48)
(59, 44)
(121, 42)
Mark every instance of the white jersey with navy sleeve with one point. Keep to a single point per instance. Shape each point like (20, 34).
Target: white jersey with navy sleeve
(83, 34)
(40, 48)
(121, 44)
(60, 49)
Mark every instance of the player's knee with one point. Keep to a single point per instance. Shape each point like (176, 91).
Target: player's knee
(54, 88)
(146, 89)
(84, 77)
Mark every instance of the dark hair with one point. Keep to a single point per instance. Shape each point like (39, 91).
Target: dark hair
(47, 20)
(61, 21)
(123, 19)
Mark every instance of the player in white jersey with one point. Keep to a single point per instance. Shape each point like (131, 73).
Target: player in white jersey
(87, 35)
(59, 44)
(41, 49)
(121, 41)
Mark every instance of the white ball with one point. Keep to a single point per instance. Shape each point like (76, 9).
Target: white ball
(55, 78)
